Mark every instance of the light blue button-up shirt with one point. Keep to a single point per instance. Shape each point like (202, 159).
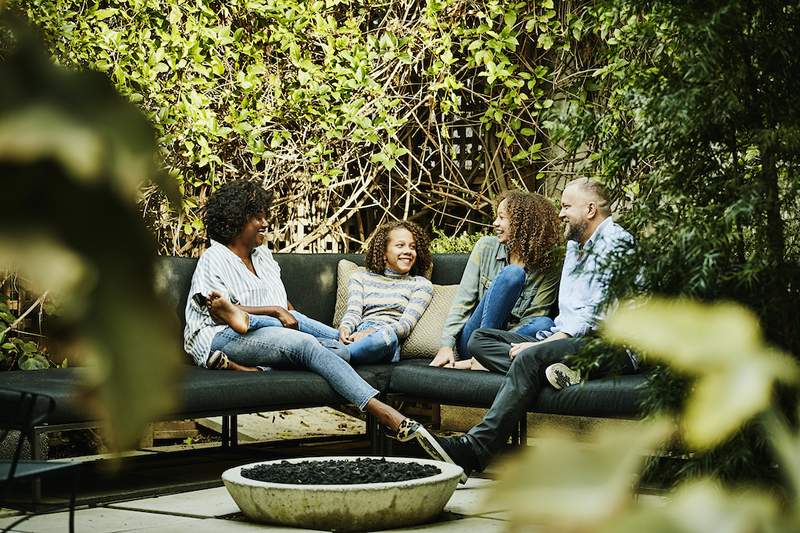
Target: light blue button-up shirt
(584, 279)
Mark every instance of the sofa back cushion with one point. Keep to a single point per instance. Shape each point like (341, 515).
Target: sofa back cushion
(173, 277)
(310, 279)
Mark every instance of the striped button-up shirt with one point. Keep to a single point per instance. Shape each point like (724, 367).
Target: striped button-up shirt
(219, 269)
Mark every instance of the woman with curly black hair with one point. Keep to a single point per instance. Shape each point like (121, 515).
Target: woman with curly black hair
(511, 278)
(385, 302)
(239, 317)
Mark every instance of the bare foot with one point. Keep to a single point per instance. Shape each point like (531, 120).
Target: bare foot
(241, 368)
(463, 364)
(477, 366)
(223, 311)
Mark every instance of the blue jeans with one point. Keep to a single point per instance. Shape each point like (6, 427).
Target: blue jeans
(536, 325)
(304, 324)
(380, 346)
(494, 309)
(280, 347)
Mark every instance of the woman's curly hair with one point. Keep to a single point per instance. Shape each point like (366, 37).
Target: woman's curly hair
(535, 231)
(375, 257)
(232, 206)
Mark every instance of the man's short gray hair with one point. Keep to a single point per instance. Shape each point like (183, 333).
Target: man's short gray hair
(596, 191)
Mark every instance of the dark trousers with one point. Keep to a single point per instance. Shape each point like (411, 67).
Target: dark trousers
(524, 378)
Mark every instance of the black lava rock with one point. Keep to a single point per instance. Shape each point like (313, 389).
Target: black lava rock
(339, 472)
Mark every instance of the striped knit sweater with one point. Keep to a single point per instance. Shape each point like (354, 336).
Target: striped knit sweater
(393, 300)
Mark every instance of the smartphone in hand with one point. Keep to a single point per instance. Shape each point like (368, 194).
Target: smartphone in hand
(200, 299)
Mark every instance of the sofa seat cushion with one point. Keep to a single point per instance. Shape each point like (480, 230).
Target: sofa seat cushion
(202, 392)
(213, 392)
(611, 397)
(59, 383)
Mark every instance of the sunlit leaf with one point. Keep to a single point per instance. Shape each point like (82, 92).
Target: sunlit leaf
(691, 336)
(41, 131)
(568, 484)
(700, 507)
(722, 345)
(721, 402)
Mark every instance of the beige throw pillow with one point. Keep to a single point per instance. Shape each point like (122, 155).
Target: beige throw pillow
(426, 335)
(344, 270)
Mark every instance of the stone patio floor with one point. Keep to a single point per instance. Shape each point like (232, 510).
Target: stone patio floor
(213, 510)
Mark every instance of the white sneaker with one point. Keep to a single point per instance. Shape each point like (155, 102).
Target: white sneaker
(217, 360)
(561, 376)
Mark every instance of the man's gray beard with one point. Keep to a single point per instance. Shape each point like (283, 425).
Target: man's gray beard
(573, 233)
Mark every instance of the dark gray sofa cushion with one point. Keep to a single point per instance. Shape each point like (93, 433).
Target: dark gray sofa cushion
(607, 397)
(207, 392)
(59, 383)
(310, 281)
(202, 392)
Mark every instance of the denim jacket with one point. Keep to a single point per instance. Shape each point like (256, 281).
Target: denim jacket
(488, 258)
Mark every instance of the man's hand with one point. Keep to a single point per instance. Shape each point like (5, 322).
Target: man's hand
(517, 347)
(445, 357)
(287, 319)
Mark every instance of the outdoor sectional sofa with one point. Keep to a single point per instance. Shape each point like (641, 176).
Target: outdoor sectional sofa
(311, 282)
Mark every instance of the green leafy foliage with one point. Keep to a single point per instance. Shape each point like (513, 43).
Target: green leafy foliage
(456, 244)
(695, 129)
(339, 103)
(16, 352)
(721, 346)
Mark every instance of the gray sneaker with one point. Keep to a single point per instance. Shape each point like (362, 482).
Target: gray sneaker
(561, 376)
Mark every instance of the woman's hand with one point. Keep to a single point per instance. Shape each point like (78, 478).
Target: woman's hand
(445, 357)
(361, 334)
(287, 319)
(344, 336)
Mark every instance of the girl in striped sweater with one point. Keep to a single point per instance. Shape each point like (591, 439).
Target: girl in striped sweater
(385, 302)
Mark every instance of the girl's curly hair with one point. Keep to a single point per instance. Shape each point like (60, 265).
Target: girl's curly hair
(375, 257)
(231, 206)
(535, 231)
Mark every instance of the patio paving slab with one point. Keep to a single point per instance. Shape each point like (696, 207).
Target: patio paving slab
(474, 525)
(213, 525)
(475, 483)
(208, 503)
(199, 512)
(472, 502)
(99, 520)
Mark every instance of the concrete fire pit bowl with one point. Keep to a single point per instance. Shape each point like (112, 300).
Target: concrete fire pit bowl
(367, 506)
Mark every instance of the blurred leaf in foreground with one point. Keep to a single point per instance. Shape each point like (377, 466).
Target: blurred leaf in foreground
(721, 344)
(700, 507)
(569, 485)
(73, 155)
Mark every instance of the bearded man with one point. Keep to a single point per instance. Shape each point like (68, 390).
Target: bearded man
(526, 361)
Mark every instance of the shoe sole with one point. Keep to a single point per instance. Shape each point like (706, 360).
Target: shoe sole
(435, 450)
(552, 378)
